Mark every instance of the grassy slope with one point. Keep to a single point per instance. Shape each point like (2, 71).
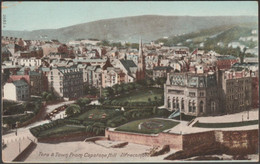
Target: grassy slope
(97, 114)
(133, 126)
(141, 96)
(60, 131)
(225, 125)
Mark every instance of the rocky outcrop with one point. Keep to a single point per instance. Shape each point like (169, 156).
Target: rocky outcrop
(160, 150)
(204, 149)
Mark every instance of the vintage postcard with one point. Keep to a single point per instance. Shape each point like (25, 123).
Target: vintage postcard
(121, 81)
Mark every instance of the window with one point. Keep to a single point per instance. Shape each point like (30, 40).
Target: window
(169, 102)
(190, 106)
(177, 103)
(192, 94)
(182, 104)
(201, 106)
(173, 103)
(51, 77)
(194, 106)
(201, 94)
(213, 106)
(60, 90)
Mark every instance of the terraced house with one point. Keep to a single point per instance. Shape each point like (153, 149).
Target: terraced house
(66, 82)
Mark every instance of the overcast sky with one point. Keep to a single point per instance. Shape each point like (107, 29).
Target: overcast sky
(50, 15)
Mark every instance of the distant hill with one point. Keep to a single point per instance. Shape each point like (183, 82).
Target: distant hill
(216, 38)
(149, 27)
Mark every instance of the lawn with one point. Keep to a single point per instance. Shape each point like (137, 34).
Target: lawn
(225, 125)
(141, 95)
(147, 126)
(60, 131)
(96, 114)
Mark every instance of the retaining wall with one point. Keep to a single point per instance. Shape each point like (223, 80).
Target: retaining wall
(173, 140)
(244, 141)
(80, 136)
(26, 152)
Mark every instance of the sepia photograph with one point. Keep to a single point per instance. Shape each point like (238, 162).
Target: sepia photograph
(129, 81)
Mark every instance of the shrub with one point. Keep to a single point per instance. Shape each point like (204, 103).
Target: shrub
(73, 109)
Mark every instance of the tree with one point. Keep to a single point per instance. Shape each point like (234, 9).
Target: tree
(155, 109)
(49, 97)
(158, 81)
(115, 89)
(107, 92)
(73, 109)
(131, 86)
(126, 87)
(83, 101)
(104, 43)
(242, 55)
(44, 95)
(162, 81)
(120, 89)
(149, 82)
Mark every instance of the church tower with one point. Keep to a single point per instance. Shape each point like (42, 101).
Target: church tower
(140, 74)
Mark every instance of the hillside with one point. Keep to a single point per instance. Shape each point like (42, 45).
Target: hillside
(216, 38)
(149, 27)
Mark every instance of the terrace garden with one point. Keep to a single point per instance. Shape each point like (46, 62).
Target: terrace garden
(148, 126)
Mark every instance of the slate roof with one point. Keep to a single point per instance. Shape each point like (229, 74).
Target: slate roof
(162, 68)
(127, 64)
(68, 70)
(89, 60)
(19, 83)
(5, 50)
(44, 69)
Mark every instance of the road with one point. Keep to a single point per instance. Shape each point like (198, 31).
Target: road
(24, 131)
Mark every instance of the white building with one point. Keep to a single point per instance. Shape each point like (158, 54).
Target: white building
(16, 91)
(29, 62)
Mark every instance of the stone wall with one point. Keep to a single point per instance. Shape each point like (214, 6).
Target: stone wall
(173, 140)
(244, 141)
(241, 141)
(197, 139)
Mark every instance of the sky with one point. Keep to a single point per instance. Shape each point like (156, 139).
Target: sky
(51, 15)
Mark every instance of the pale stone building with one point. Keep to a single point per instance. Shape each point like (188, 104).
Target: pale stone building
(193, 94)
(66, 82)
(17, 91)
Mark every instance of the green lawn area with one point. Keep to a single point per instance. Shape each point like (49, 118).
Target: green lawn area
(60, 131)
(226, 124)
(96, 114)
(141, 95)
(148, 126)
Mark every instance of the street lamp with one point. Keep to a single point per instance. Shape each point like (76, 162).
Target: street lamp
(247, 109)
(16, 126)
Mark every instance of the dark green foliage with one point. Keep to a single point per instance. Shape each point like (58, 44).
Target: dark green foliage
(225, 125)
(83, 101)
(73, 109)
(90, 90)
